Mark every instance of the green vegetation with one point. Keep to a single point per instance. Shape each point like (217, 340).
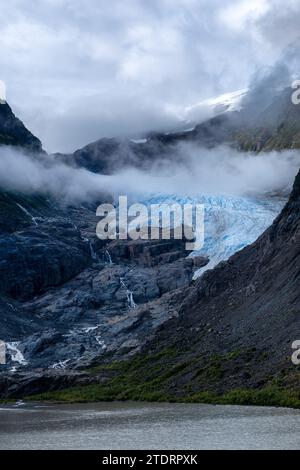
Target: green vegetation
(154, 379)
(268, 396)
(284, 137)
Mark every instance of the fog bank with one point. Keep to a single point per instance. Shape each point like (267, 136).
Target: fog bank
(220, 171)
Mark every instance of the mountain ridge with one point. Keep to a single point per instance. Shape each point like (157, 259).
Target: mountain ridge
(230, 337)
(14, 133)
(256, 126)
(228, 330)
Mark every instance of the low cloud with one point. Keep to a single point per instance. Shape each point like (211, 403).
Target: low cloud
(220, 171)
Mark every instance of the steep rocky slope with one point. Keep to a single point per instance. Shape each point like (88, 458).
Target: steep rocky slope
(230, 335)
(63, 295)
(13, 132)
(97, 306)
(245, 312)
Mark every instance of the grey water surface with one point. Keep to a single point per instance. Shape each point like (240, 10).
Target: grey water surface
(132, 426)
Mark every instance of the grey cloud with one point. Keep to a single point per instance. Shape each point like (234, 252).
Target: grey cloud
(281, 26)
(222, 171)
(80, 70)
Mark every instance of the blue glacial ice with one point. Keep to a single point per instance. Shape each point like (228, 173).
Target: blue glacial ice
(231, 223)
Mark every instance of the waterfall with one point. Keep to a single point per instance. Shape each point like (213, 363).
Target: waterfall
(100, 342)
(27, 213)
(90, 328)
(61, 365)
(15, 353)
(94, 255)
(108, 257)
(130, 300)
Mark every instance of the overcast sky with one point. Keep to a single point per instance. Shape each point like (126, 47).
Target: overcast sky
(78, 70)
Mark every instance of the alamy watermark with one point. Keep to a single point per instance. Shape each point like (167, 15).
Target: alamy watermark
(296, 354)
(2, 92)
(2, 353)
(153, 222)
(296, 93)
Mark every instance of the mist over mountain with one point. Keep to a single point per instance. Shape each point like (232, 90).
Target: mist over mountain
(150, 226)
(70, 302)
(261, 119)
(188, 170)
(128, 69)
(230, 337)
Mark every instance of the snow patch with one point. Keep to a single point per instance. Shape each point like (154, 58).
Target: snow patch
(139, 141)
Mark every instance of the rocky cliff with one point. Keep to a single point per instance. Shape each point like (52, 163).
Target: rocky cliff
(126, 320)
(13, 132)
(229, 339)
(245, 312)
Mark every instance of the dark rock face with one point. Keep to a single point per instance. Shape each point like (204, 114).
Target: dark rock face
(150, 253)
(35, 259)
(245, 312)
(12, 217)
(64, 304)
(108, 156)
(67, 300)
(13, 132)
(42, 245)
(295, 196)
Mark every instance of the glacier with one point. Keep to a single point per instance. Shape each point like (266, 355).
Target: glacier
(231, 223)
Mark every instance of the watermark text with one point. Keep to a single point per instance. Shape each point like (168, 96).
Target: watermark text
(154, 222)
(2, 92)
(296, 93)
(2, 352)
(296, 354)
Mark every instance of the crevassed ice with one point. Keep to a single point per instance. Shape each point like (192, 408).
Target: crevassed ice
(231, 223)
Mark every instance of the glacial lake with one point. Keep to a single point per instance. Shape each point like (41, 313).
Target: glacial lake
(129, 426)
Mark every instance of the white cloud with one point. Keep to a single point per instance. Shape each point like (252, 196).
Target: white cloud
(222, 171)
(78, 70)
(238, 14)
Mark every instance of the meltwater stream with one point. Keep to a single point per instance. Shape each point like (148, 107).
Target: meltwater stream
(128, 426)
(231, 223)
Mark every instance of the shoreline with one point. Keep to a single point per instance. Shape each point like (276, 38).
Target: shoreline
(30, 405)
(267, 397)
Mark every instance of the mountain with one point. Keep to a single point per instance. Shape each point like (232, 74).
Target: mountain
(270, 125)
(225, 103)
(126, 320)
(13, 132)
(263, 122)
(246, 121)
(237, 323)
(229, 339)
(63, 295)
(108, 156)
